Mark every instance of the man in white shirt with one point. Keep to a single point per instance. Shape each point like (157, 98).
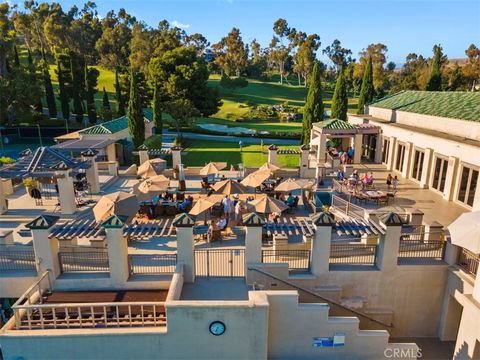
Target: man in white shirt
(227, 206)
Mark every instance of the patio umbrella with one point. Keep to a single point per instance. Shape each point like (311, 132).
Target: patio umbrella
(151, 168)
(268, 205)
(465, 231)
(201, 205)
(212, 168)
(151, 187)
(269, 166)
(292, 184)
(228, 187)
(256, 178)
(117, 203)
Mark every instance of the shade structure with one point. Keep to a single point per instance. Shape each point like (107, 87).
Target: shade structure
(201, 205)
(292, 184)
(269, 166)
(152, 167)
(212, 168)
(117, 203)
(268, 205)
(465, 231)
(229, 187)
(256, 178)
(151, 187)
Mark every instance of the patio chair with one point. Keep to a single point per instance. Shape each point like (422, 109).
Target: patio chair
(383, 200)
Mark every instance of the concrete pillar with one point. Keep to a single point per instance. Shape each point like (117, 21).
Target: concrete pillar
(113, 168)
(66, 194)
(378, 149)
(143, 156)
(185, 245)
(3, 200)
(435, 231)
(111, 153)
(320, 251)
(357, 150)
(272, 154)
(321, 149)
(416, 217)
(448, 192)
(451, 253)
(253, 243)
(305, 150)
(476, 286)
(176, 156)
(46, 249)
(117, 250)
(389, 244)
(427, 168)
(391, 153)
(92, 171)
(407, 160)
(476, 199)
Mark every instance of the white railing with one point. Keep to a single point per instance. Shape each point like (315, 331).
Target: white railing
(348, 208)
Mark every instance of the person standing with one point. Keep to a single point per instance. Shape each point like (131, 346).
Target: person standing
(227, 206)
(238, 211)
(240, 144)
(389, 181)
(395, 183)
(261, 145)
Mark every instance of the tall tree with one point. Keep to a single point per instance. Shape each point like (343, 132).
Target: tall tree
(339, 55)
(49, 94)
(378, 53)
(305, 56)
(471, 70)
(63, 92)
(7, 36)
(314, 108)
(119, 97)
(136, 123)
(182, 111)
(106, 109)
(78, 84)
(157, 112)
(367, 91)
(279, 51)
(91, 79)
(434, 82)
(340, 97)
(231, 57)
(17, 59)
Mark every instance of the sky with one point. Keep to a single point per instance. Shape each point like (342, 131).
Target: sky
(405, 26)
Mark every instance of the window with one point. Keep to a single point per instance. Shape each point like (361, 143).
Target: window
(440, 174)
(418, 165)
(386, 148)
(400, 157)
(468, 185)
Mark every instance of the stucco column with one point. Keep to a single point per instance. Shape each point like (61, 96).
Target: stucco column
(435, 231)
(272, 154)
(451, 253)
(142, 154)
(378, 149)
(92, 171)
(416, 217)
(320, 251)
(391, 153)
(321, 149)
(185, 245)
(305, 150)
(46, 249)
(117, 250)
(476, 286)
(357, 150)
(426, 168)
(176, 156)
(389, 244)
(3, 200)
(66, 194)
(253, 243)
(407, 160)
(476, 199)
(111, 153)
(448, 192)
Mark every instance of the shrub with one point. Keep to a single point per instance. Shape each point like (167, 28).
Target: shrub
(5, 160)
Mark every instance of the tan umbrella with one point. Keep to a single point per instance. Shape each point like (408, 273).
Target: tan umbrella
(269, 166)
(292, 184)
(268, 205)
(256, 178)
(151, 168)
(201, 205)
(228, 187)
(465, 231)
(151, 187)
(212, 168)
(117, 203)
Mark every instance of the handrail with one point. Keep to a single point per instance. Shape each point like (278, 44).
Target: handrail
(94, 304)
(36, 284)
(321, 297)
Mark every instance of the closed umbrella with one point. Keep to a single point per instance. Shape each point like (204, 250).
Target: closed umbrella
(229, 187)
(151, 187)
(151, 168)
(256, 178)
(465, 231)
(212, 168)
(268, 205)
(117, 203)
(269, 166)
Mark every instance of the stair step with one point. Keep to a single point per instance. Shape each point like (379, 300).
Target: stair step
(353, 302)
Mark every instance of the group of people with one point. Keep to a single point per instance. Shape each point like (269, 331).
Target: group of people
(346, 157)
(392, 181)
(230, 206)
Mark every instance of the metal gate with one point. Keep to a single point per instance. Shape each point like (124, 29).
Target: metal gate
(220, 263)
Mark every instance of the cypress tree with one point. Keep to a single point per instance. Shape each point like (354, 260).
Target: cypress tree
(313, 109)
(367, 90)
(77, 87)
(136, 124)
(157, 112)
(49, 94)
(434, 82)
(340, 98)
(89, 98)
(63, 96)
(33, 74)
(107, 111)
(118, 93)
(17, 59)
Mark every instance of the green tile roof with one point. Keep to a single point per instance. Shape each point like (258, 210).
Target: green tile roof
(115, 125)
(449, 104)
(335, 124)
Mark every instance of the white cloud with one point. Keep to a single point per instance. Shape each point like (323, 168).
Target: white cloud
(178, 24)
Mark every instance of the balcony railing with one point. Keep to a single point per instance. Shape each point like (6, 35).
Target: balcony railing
(15, 259)
(83, 261)
(156, 264)
(468, 261)
(353, 254)
(415, 249)
(296, 259)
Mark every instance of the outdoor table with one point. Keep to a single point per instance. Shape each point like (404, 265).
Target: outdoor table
(375, 193)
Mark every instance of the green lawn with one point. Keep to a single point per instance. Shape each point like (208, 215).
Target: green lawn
(201, 152)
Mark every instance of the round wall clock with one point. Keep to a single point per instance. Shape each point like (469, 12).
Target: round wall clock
(217, 328)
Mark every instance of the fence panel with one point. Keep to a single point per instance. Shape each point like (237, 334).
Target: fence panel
(152, 264)
(413, 248)
(17, 259)
(220, 263)
(353, 254)
(468, 261)
(83, 261)
(296, 259)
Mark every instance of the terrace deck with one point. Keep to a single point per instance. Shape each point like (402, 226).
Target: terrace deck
(60, 297)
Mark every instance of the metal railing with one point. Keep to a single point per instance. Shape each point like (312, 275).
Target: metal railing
(468, 261)
(220, 263)
(83, 261)
(296, 259)
(415, 248)
(17, 259)
(152, 264)
(353, 254)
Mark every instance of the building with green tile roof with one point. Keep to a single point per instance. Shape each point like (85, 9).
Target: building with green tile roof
(113, 126)
(448, 104)
(335, 124)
